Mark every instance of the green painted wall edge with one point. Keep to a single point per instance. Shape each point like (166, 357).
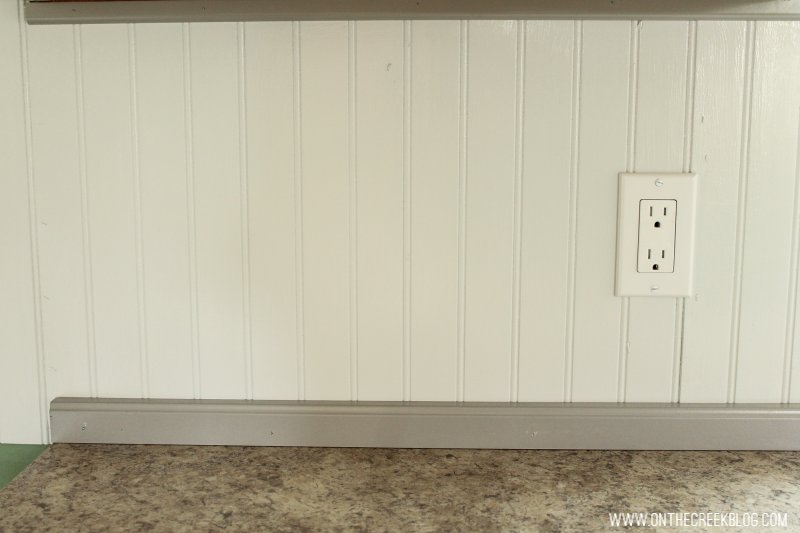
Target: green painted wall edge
(14, 458)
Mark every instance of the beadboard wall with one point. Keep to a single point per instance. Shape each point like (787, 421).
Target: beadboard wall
(388, 211)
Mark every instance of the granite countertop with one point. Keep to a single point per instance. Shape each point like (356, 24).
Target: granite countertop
(205, 488)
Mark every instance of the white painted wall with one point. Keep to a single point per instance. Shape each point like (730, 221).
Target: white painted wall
(388, 210)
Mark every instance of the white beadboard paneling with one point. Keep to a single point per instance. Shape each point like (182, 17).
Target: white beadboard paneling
(491, 113)
(19, 385)
(326, 202)
(390, 210)
(110, 195)
(379, 177)
(218, 204)
(719, 98)
(165, 228)
(772, 177)
(270, 170)
(545, 232)
(67, 333)
(659, 146)
(434, 209)
(602, 146)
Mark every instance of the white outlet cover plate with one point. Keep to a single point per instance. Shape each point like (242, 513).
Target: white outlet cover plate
(634, 187)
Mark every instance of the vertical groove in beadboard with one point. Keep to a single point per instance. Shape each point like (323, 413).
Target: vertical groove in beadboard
(244, 177)
(691, 75)
(190, 206)
(88, 283)
(297, 111)
(574, 175)
(462, 204)
(792, 303)
(741, 221)
(352, 140)
(33, 221)
(137, 204)
(516, 265)
(630, 166)
(688, 137)
(407, 58)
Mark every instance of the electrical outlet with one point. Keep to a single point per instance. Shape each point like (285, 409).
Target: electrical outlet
(655, 234)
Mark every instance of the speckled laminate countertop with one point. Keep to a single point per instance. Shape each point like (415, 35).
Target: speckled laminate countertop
(194, 488)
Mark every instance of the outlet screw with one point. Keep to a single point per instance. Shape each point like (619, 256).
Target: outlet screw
(83, 426)
(653, 288)
(659, 182)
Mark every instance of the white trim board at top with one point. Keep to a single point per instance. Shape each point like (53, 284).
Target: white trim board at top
(636, 426)
(116, 11)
